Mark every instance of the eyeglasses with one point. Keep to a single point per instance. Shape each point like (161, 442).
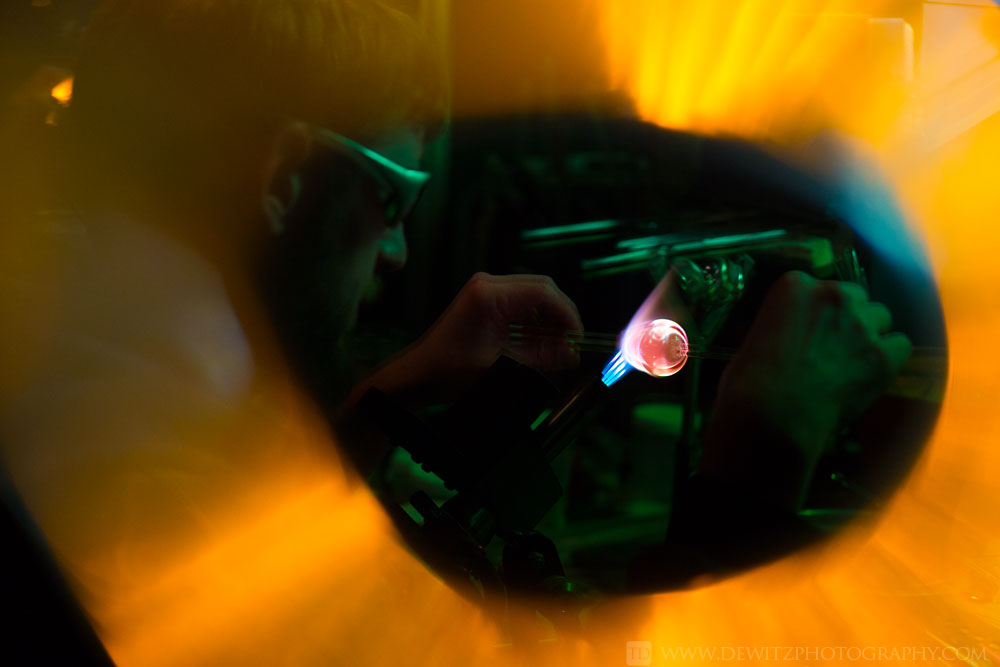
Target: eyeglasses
(399, 188)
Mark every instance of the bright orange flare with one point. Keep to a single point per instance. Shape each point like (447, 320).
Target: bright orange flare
(63, 91)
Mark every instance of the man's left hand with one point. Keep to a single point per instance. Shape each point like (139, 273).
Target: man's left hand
(475, 329)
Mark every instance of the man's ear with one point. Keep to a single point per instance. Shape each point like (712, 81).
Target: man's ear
(283, 175)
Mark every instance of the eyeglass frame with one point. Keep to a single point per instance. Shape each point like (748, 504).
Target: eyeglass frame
(394, 179)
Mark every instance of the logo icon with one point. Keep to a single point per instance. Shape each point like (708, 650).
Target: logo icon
(638, 653)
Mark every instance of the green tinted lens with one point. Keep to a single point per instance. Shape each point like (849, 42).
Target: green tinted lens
(399, 187)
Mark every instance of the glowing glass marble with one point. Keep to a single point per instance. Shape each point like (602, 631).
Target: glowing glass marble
(657, 347)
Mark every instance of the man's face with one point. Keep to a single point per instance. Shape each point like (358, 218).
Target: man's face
(367, 245)
(334, 245)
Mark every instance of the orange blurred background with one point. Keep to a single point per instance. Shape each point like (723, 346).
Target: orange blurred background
(925, 574)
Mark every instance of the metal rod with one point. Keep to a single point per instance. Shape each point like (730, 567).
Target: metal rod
(592, 341)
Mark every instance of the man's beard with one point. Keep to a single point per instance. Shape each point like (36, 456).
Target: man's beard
(314, 324)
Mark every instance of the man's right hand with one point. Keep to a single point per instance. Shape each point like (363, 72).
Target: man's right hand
(818, 354)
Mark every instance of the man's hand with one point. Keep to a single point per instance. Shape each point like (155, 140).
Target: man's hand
(469, 336)
(818, 354)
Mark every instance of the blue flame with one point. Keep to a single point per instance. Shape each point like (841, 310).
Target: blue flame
(615, 370)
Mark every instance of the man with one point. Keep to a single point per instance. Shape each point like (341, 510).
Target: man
(241, 170)
(233, 165)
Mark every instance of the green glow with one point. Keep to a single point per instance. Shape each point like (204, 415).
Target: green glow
(637, 255)
(736, 239)
(541, 418)
(563, 230)
(662, 418)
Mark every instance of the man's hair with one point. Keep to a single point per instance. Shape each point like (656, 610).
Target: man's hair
(171, 89)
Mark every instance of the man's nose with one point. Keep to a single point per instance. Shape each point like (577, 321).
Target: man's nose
(392, 249)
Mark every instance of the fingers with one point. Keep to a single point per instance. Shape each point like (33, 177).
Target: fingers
(534, 301)
(852, 301)
(877, 320)
(853, 292)
(876, 317)
(897, 348)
